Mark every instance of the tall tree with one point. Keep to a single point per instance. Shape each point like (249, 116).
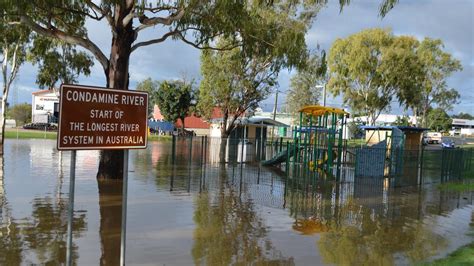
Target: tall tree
(235, 83)
(369, 68)
(255, 26)
(58, 61)
(13, 43)
(305, 86)
(437, 66)
(174, 100)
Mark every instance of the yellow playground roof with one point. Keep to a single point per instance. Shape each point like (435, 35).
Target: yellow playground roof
(318, 110)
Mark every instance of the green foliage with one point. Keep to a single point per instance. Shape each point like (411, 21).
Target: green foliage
(362, 71)
(234, 83)
(437, 66)
(174, 100)
(150, 86)
(438, 120)
(462, 115)
(304, 89)
(372, 67)
(354, 128)
(58, 61)
(21, 113)
(402, 121)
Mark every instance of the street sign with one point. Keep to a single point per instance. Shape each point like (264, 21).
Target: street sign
(93, 118)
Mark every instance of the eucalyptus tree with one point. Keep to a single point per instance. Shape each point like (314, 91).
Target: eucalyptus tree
(235, 83)
(249, 24)
(13, 43)
(437, 66)
(57, 61)
(372, 68)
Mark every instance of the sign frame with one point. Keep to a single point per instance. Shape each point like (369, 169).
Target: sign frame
(99, 89)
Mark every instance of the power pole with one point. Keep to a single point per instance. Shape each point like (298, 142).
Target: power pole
(274, 112)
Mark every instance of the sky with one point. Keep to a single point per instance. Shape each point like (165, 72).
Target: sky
(451, 21)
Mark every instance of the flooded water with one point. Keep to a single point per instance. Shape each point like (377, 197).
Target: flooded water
(195, 212)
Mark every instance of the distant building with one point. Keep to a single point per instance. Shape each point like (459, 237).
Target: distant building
(192, 123)
(462, 127)
(284, 118)
(254, 127)
(386, 119)
(45, 107)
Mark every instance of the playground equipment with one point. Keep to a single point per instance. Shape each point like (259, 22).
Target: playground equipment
(317, 143)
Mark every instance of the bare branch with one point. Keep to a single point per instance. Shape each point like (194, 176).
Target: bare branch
(71, 39)
(153, 41)
(149, 22)
(131, 13)
(104, 12)
(198, 45)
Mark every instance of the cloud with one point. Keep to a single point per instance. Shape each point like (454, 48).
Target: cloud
(450, 21)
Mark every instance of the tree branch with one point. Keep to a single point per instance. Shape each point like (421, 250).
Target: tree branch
(131, 14)
(104, 12)
(153, 41)
(198, 45)
(71, 39)
(149, 22)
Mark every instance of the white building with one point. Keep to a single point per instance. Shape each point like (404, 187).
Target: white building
(386, 119)
(44, 106)
(462, 127)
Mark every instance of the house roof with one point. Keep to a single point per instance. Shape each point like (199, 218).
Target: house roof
(41, 92)
(256, 121)
(193, 122)
(402, 128)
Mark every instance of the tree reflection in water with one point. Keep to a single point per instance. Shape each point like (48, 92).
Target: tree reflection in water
(110, 204)
(363, 229)
(229, 231)
(40, 238)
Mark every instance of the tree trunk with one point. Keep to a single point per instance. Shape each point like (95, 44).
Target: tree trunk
(182, 124)
(4, 107)
(111, 161)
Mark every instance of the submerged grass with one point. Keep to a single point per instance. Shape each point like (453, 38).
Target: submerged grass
(462, 256)
(459, 187)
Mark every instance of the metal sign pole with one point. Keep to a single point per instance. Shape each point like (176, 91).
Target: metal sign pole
(72, 177)
(124, 208)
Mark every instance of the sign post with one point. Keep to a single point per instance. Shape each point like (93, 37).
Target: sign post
(93, 118)
(70, 216)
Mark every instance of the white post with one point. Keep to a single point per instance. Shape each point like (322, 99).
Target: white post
(123, 235)
(72, 177)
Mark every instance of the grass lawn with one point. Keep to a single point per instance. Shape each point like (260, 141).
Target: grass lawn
(462, 256)
(29, 134)
(355, 142)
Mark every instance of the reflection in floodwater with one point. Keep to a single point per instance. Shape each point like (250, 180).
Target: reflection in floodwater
(40, 238)
(229, 231)
(184, 210)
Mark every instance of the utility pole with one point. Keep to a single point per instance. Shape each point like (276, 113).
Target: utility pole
(324, 94)
(274, 113)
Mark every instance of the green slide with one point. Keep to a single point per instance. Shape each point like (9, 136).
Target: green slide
(280, 157)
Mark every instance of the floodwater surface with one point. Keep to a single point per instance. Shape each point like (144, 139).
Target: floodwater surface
(196, 212)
